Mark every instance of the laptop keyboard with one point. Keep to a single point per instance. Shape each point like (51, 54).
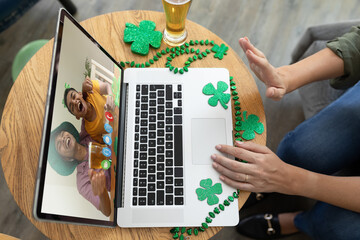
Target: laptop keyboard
(158, 176)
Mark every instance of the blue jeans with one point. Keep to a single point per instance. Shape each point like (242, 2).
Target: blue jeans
(326, 143)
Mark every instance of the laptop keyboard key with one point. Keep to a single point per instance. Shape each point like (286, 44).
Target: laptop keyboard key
(151, 199)
(142, 191)
(160, 197)
(134, 201)
(169, 200)
(142, 201)
(179, 191)
(179, 201)
(179, 182)
(160, 185)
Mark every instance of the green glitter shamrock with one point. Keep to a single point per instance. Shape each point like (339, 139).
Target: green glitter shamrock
(219, 51)
(208, 191)
(250, 125)
(218, 93)
(142, 36)
(66, 87)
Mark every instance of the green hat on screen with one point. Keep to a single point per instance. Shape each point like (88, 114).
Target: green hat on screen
(61, 166)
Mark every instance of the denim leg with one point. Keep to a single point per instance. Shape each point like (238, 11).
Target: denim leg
(325, 221)
(330, 140)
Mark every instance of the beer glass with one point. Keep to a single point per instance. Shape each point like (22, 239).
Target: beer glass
(98, 155)
(175, 10)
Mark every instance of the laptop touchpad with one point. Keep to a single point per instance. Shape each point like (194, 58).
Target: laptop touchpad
(206, 133)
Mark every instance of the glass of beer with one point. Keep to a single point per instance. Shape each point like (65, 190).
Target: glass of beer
(98, 155)
(176, 11)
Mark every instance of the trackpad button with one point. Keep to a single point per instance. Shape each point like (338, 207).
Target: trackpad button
(206, 133)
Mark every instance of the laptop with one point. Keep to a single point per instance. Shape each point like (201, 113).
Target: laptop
(129, 147)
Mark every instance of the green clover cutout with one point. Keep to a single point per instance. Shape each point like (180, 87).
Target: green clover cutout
(250, 125)
(143, 36)
(208, 191)
(218, 93)
(219, 51)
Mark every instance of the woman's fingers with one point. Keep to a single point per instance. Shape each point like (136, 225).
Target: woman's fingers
(233, 169)
(245, 186)
(253, 147)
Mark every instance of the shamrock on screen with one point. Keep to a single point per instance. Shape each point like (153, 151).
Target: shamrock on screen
(143, 36)
(250, 125)
(219, 51)
(208, 191)
(218, 93)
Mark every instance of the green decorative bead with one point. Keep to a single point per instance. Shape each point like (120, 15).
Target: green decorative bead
(176, 235)
(171, 68)
(169, 58)
(226, 203)
(202, 42)
(234, 93)
(158, 54)
(201, 229)
(182, 52)
(194, 57)
(151, 61)
(231, 199)
(231, 78)
(173, 50)
(191, 42)
(137, 65)
(181, 71)
(177, 48)
(187, 62)
(183, 230)
(147, 64)
(212, 42)
(187, 51)
(197, 51)
(238, 123)
(238, 118)
(200, 56)
(239, 140)
(216, 210)
(196, 232)
(142, 65)
(163, 52)
(192, 50)
(122, 64)
(189, 231)
(132, 64)
(187, 44)
(236, 97)
(237, 134)
(237, 113)
(232, 83)
(233, 87)
(204, 54)
(208, 220)
(167, 50)
(235, 195)
(221, 207)
(237, 103)
(208, 51)
(182, 47)
(237, 108)
(190, 59)
(205, 225)
(173, 55)
(177, 53)
(181, 237)
(186, 69)
(206, 41)
(176, 70)
(196, 42)
(127, 62)
(155, 58)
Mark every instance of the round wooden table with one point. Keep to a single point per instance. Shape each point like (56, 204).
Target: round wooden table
(22, 120)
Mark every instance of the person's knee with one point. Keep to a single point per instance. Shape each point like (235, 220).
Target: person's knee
(288, 150)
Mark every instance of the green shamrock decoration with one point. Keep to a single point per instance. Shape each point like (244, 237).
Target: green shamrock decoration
(250, 125)
(219, 51)
(208, 191)
(142, 36)
(66, 87)
(218, 93)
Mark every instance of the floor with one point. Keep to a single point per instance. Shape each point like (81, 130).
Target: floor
(274, 26)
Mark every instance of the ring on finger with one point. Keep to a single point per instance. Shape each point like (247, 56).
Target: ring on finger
(246, 178)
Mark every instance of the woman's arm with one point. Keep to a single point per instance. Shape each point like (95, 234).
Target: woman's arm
(322, 65)
(265, 172)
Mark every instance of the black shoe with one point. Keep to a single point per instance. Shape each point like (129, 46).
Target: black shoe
(261, 226)
(254, 198)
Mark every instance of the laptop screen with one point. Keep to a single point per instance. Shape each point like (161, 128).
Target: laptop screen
(80, 139)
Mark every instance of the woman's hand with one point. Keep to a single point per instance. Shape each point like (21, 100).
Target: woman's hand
(98, 182)
(263, 172)
(110, 104)
(274, 81)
